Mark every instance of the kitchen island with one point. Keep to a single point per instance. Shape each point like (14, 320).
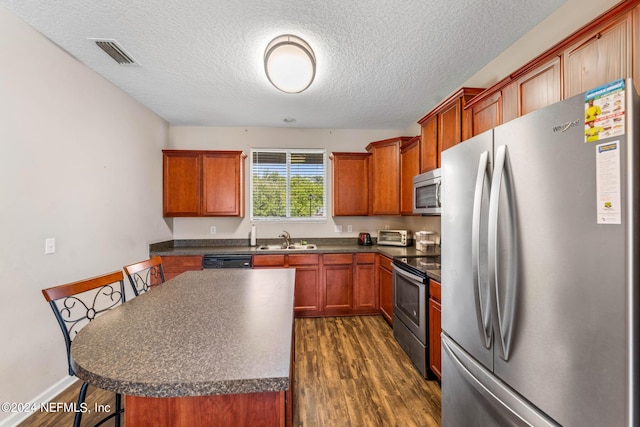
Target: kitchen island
(211, 347)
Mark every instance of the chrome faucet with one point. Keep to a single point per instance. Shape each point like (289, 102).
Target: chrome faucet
(287, 239)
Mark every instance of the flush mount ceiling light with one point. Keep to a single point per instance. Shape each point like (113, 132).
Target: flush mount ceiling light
(289, 63)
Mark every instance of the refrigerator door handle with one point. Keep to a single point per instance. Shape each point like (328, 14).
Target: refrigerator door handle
(483, 311)
(505, 303)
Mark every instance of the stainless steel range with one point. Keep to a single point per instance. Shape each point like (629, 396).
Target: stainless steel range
(410, 318)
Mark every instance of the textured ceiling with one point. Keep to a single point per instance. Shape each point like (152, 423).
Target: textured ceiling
(382, 64)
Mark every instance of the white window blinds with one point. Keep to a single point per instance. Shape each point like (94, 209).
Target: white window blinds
(288, 184)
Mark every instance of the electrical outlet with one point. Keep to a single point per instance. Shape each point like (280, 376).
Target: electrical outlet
(349, 228)
(338, 229)
(386, 226)
(213, 229)
(49, 246)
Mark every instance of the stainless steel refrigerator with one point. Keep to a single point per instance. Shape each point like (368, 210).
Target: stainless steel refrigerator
(540, 255)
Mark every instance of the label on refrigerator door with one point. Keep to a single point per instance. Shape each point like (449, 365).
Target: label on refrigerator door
(604, 111)
(608, 183)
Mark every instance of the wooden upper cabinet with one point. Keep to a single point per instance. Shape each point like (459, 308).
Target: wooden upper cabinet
(598, 53)
(484, 115)
(409, 167)
(534, 90)
(350, 184)
(444, 126)
(450, 125)
(598, 58)
(181, 183)
(385, 175)
(429, 144)
(223, 183)
(203, 183)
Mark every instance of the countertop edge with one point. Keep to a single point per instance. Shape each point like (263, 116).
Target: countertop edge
(163, 390)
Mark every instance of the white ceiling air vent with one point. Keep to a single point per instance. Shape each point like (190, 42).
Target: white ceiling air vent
(115, 51)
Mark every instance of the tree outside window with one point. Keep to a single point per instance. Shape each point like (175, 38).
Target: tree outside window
(288, 184)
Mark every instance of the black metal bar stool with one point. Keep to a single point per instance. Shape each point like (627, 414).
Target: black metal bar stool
(145, 274)
(78, 303)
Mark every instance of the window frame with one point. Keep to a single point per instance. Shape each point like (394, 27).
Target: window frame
(288, 152)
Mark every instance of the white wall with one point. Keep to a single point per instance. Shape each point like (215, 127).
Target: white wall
(80, 161)
(220, 138)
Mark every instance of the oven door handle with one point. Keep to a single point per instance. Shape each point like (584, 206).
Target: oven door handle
(409, 276)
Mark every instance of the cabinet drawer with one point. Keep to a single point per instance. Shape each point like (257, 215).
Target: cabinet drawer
(337, 259)
(366, 258)
(303, 259)
(385, 262)
(182, 263)
(268, 260)
(435, 290)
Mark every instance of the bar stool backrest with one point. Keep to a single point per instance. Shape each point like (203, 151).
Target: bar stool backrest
(78, 303)
(145, 274)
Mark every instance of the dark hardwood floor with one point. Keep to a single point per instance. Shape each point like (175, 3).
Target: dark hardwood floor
(349, 372)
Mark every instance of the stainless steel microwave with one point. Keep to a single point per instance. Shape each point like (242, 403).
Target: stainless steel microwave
(426, 193)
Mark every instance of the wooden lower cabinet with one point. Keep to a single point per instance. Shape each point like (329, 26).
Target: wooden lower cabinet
(251, 409)
(366, 299)
(330, 284)
(174, 265)
(337, 281)
(385, 279)
(435, 328)
(307, 292)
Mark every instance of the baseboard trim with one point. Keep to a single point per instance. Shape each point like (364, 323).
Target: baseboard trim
(44, 397)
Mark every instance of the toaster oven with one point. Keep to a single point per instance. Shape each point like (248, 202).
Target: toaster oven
(395, 237)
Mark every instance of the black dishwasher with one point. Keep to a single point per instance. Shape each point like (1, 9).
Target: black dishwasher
(226, 261)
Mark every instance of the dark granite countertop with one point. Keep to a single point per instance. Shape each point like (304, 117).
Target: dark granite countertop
(241, 247)
(221, 331)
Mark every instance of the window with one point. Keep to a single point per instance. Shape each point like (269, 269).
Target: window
(288, 184)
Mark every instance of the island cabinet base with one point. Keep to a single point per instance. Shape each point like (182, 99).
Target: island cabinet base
(251, 409)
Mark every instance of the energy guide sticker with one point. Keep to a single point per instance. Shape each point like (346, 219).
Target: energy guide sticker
(604, 112)
(608, 183)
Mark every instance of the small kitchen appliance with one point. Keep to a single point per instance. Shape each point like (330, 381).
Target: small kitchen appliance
(426, 193)
(364, 239)
(425, 241)
(395, 238)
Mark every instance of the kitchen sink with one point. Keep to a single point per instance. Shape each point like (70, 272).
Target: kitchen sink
(292, 247)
